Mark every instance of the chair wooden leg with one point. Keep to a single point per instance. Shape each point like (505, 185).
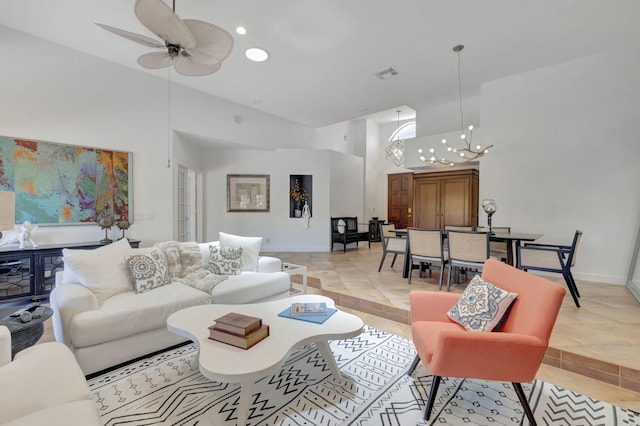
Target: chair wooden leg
(432, 396)
(525, 403)
(413, 365)
(394, 259)
(410, 271)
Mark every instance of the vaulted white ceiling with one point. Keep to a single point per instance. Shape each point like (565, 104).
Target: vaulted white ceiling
(324, 53)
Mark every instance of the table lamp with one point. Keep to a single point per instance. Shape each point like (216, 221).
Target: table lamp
(490, 207)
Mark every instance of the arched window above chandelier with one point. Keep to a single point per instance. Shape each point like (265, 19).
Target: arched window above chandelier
(406, 131)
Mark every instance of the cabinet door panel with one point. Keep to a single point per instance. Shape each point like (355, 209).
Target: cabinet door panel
(455, 202)
(427, 198)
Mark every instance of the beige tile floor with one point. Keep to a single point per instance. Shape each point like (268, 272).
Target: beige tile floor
(600, 340)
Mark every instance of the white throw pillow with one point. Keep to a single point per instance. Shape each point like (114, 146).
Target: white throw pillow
(148, 271)
(103, 270)
(250, 249)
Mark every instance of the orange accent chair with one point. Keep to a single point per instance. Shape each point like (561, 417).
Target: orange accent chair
(512, 354)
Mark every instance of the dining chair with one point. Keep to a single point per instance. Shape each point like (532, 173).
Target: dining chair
(425, 246)
(552, 258)
(391, 243)
(497, 249)
(467, 250)
(512, 353)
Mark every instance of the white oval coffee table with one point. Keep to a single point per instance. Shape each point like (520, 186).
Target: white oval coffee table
(224, 363)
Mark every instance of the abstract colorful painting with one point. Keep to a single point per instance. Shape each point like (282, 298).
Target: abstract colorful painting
(64, 184)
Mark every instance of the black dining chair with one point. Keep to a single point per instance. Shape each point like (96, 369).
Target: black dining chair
(552, 258)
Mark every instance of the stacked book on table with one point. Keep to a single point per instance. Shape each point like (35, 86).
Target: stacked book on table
(238, 330)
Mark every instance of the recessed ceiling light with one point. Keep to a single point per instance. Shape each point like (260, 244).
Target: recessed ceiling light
(256, 54)
(241, 30)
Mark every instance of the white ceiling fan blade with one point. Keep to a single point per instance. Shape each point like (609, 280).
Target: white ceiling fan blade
(213, 44)
(160, 20)
(185, 65)
(138, 38)
(155, 60)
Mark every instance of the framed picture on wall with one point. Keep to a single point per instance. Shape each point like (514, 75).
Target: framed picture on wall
(247, 193)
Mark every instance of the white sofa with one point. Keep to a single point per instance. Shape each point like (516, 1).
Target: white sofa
(106, 331)
(43, 385)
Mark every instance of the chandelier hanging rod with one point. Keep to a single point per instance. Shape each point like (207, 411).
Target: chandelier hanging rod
(467, 152)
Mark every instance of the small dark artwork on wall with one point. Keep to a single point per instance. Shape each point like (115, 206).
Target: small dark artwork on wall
(300, 194)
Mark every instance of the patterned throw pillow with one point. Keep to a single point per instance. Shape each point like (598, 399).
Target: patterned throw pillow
(482, 306)
(148, 271)
(224, 260)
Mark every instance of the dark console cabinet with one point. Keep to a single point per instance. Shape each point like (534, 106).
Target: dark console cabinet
(29, 273)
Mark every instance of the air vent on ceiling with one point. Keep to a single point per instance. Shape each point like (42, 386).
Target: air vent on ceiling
(386, 74)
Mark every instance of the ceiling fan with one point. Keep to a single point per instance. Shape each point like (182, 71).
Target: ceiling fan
(194, 47)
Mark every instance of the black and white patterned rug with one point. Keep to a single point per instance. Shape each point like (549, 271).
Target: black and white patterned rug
(164, 390)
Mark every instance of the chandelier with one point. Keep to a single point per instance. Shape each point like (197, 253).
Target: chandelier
(466, 152)
(395, 150)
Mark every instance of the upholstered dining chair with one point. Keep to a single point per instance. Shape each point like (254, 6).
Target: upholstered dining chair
(391, 243)
(497, 249)
(512, 354)
(426, 247)
(552, 258)
(467, 250)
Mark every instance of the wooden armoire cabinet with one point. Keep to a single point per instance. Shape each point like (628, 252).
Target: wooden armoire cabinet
(445, 198)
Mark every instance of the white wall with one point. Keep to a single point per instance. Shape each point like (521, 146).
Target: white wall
(566, 157)
(346, 191)
(59, 95)
(280, 232)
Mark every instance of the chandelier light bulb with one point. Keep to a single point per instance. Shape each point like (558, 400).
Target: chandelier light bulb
(471, 127)
(463, 136)
(432, 150)
(478, 147)
(444, 141)
(419, 150)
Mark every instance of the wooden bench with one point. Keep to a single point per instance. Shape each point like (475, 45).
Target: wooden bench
(344, 230)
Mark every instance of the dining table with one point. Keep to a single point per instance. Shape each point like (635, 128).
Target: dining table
(513, 239)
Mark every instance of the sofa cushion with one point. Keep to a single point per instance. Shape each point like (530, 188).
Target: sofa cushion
(82, 412)
(130, 313)
(250, 249)
(250, 287)
(482, 306)
(148, 271)
(103, 270)
(224, 260)
(40, 377)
